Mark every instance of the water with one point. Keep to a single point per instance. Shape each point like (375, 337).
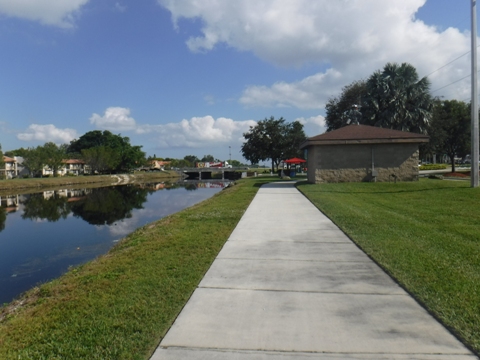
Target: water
(43, 234)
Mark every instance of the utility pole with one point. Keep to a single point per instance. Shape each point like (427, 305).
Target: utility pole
(474, 168)
(230, 152)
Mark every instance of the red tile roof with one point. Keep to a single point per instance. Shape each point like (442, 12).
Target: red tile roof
(8, 159)
(357, 134)
(73, 161)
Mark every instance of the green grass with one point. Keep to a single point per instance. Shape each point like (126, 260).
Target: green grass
(121, 305)
(425, 234)
(33, 184)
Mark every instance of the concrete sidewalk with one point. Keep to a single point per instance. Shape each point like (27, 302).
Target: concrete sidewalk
(288, 284)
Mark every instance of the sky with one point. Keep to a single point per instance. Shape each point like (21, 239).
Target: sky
(189, 77)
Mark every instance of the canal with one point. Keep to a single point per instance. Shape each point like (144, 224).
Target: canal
(42, 235)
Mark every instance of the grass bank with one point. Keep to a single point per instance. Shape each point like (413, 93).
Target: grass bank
(7, 186)
(121, 305)
(425, 234)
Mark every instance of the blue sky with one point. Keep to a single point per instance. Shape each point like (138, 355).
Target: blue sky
(185, 77)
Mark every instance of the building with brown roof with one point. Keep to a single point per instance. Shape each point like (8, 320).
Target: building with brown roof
(356, 153)
(9, 169)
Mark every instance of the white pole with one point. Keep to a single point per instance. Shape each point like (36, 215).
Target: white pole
(474, 168)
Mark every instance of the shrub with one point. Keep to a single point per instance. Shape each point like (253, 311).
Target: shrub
(433, 167)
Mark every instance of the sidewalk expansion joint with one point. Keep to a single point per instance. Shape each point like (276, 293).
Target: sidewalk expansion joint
(302, 291)
(298, 260)
(306, 352)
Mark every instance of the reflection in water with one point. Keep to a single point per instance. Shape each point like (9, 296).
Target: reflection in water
(42, 235)
(3, 217)
(107, 205)
(45, 206)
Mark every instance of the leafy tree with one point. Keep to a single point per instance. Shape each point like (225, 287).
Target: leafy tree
(89, 140)
(130, 156)
(337, 108)
(397, 99)
(235, 163)
(34, 160)
(191, 159)
(54, 156)
(17, 152)
(450, 129)
(272, 139)
(208, 158)
(101, 159)
(294, 136)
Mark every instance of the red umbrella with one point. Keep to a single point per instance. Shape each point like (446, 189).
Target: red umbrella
(294, 161)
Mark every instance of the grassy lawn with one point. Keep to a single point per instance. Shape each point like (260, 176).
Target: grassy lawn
(121, 305)
(426, 234)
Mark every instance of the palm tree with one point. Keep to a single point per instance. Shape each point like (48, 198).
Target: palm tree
(397, 99)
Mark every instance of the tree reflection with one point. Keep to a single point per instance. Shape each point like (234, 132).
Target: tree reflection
(53, 208)
(107, 205)
(3, 218)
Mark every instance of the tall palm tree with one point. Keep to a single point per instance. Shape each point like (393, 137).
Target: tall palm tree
(397, 99)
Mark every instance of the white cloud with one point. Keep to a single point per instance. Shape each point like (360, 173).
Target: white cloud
(120, 7)
(48, 133)
(305, 94)
(347, 39)
(114, 118)
(313, 125)
(49, 12)
(198, 132)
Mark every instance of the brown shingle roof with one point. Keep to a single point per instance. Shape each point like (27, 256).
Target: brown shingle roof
(358, 134)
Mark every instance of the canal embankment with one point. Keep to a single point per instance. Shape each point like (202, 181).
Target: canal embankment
(120, 305)
(36, 184)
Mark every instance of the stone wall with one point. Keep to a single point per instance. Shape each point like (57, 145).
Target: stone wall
(353, 163)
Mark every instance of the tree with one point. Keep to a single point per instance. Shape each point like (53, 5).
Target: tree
(235, 163)
(397, 99)
(208, 158)
(337, 108)
(54, 156)
(294, 136)
(101, 159)
(272, 139)
(34, 160)
(450, 129)
(191, 160)
(130, 156)
(17, 152)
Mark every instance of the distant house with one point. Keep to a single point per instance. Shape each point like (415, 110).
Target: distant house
(74, 167)
(158, 164)
(9, 169)
(69, 167)
(22, 170)
(356, 153)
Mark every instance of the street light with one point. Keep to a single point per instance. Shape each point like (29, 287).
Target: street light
(474, 126)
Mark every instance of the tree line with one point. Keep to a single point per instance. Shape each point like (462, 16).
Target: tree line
(103, 151)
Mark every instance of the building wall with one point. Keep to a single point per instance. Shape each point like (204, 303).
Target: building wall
(353, 163)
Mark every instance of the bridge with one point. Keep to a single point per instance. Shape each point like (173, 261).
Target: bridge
(205, 173)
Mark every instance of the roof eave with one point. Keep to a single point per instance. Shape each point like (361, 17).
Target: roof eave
(362, 141)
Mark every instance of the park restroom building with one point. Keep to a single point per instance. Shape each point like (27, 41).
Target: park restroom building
(357, 153)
